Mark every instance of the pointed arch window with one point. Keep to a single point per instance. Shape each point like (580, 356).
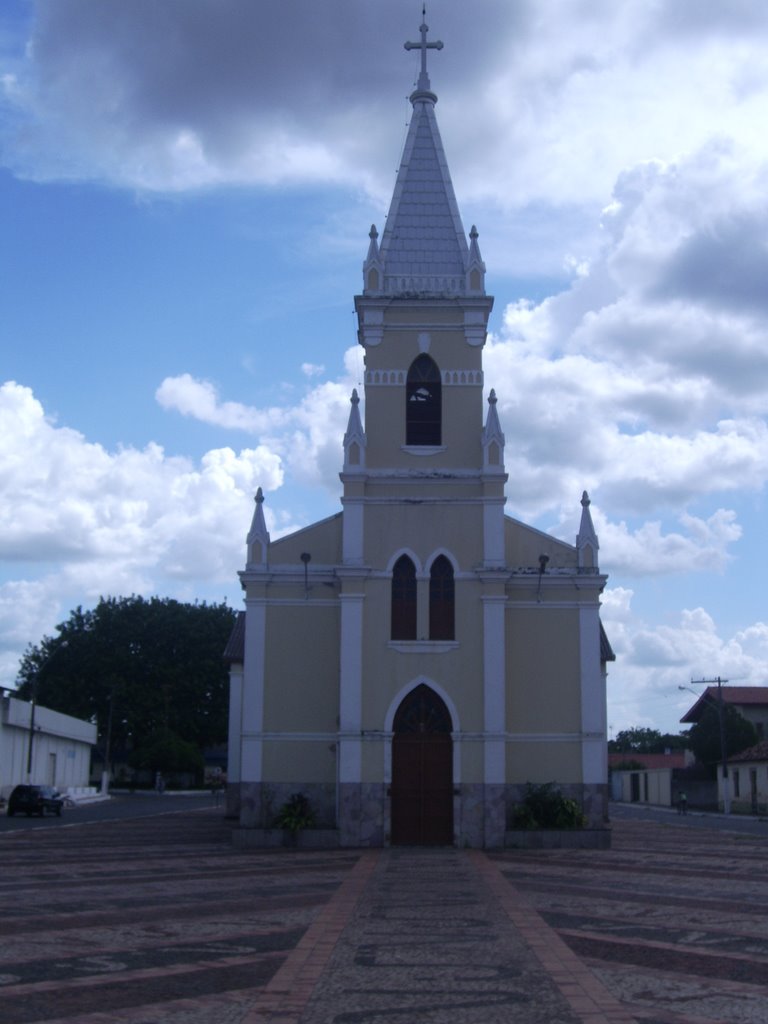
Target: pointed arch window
(442, 613)
(423, 403)
(404, 599)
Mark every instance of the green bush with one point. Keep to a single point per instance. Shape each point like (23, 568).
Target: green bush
(295, 814)
(544, 806)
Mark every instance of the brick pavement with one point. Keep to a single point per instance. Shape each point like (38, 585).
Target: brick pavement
(161, 921)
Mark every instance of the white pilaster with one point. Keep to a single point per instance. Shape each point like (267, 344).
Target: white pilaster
(253, 689)
(350, 688)
(352, 532)
(493, 532)
(235, 718)
(494, 692)
(594, 756)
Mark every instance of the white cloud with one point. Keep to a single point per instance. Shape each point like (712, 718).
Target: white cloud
(80, 521)
(613, 145)
(306, 436)
(201, 94)
(650, 682)
(640, 382)
(312, 369)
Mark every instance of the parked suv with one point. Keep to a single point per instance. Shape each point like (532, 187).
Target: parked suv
(35, 800)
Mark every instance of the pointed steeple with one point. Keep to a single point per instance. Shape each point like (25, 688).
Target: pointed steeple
(354, 439)
(493, 438)
(475, 266)
(372, 269)
(258, 535)
(424, 248)
(587, 544)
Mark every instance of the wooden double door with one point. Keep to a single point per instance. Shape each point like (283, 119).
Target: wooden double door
(422, 771)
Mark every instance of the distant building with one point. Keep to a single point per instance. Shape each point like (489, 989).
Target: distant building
(748, 777)
(750, 701)
(61, 746)
(651, 779)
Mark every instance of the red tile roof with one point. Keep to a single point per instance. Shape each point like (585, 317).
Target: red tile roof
(757, 753)
(673, 760)
(731, 695)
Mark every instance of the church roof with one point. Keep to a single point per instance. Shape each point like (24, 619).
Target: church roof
(235, 649)
(424, 249)
(606, 651)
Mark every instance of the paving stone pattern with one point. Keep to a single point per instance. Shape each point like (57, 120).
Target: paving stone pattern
(162, 921)
(674, 921)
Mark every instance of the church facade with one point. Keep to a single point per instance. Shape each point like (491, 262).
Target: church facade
(410, 663)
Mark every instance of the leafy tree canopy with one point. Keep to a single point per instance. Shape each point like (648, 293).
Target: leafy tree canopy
(646, 741)
(140, 666)
(704, 735)
(167, 753)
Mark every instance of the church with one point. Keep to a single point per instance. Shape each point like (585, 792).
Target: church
(412, 662)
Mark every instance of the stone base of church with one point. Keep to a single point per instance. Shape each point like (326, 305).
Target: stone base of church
(359, 815)
(592, 798)
(257, 804)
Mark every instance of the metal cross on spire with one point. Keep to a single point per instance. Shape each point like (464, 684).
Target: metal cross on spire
(424, 46)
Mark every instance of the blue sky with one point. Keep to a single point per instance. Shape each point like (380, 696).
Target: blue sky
(186, 189)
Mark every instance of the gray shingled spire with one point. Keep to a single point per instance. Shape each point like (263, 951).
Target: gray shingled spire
(424, 248)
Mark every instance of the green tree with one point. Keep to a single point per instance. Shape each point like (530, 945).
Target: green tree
(704, 735)
(167, 753)
(137, 667)
(645, 741)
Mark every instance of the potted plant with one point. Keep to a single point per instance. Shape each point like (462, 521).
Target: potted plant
(295, 814)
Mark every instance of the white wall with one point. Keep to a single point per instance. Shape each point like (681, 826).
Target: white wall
(61, 749)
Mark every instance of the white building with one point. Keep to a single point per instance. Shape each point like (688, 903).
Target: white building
(61, 746)
(410, 663)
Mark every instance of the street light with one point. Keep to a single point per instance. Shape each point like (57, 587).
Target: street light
(718, 705)
(33, 702)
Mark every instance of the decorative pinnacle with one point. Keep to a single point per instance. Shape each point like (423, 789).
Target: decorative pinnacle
(423, 45)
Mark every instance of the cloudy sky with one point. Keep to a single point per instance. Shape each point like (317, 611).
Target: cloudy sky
(186, 189)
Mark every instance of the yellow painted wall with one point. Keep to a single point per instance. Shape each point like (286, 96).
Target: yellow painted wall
(321, 540)
(554, 761)
(299, 761)
(422, 528)
(543, 669)
(302, 668)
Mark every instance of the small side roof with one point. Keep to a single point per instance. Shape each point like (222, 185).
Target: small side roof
(606, 651)
(757, 753)
(235, 649)
(676, 759)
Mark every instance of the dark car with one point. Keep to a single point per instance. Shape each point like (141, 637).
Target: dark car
(35, 800)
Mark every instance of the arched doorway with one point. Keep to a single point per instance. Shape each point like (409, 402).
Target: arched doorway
(422, 771)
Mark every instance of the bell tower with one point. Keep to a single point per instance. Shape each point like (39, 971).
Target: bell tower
(422, 321)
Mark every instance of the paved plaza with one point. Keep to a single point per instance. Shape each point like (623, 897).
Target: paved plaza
(159, 920)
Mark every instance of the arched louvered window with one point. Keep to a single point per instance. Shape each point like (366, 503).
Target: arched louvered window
(404, 599)
(423, 403)
(441, 600)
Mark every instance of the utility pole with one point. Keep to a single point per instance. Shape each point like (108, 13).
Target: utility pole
(723, 749)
